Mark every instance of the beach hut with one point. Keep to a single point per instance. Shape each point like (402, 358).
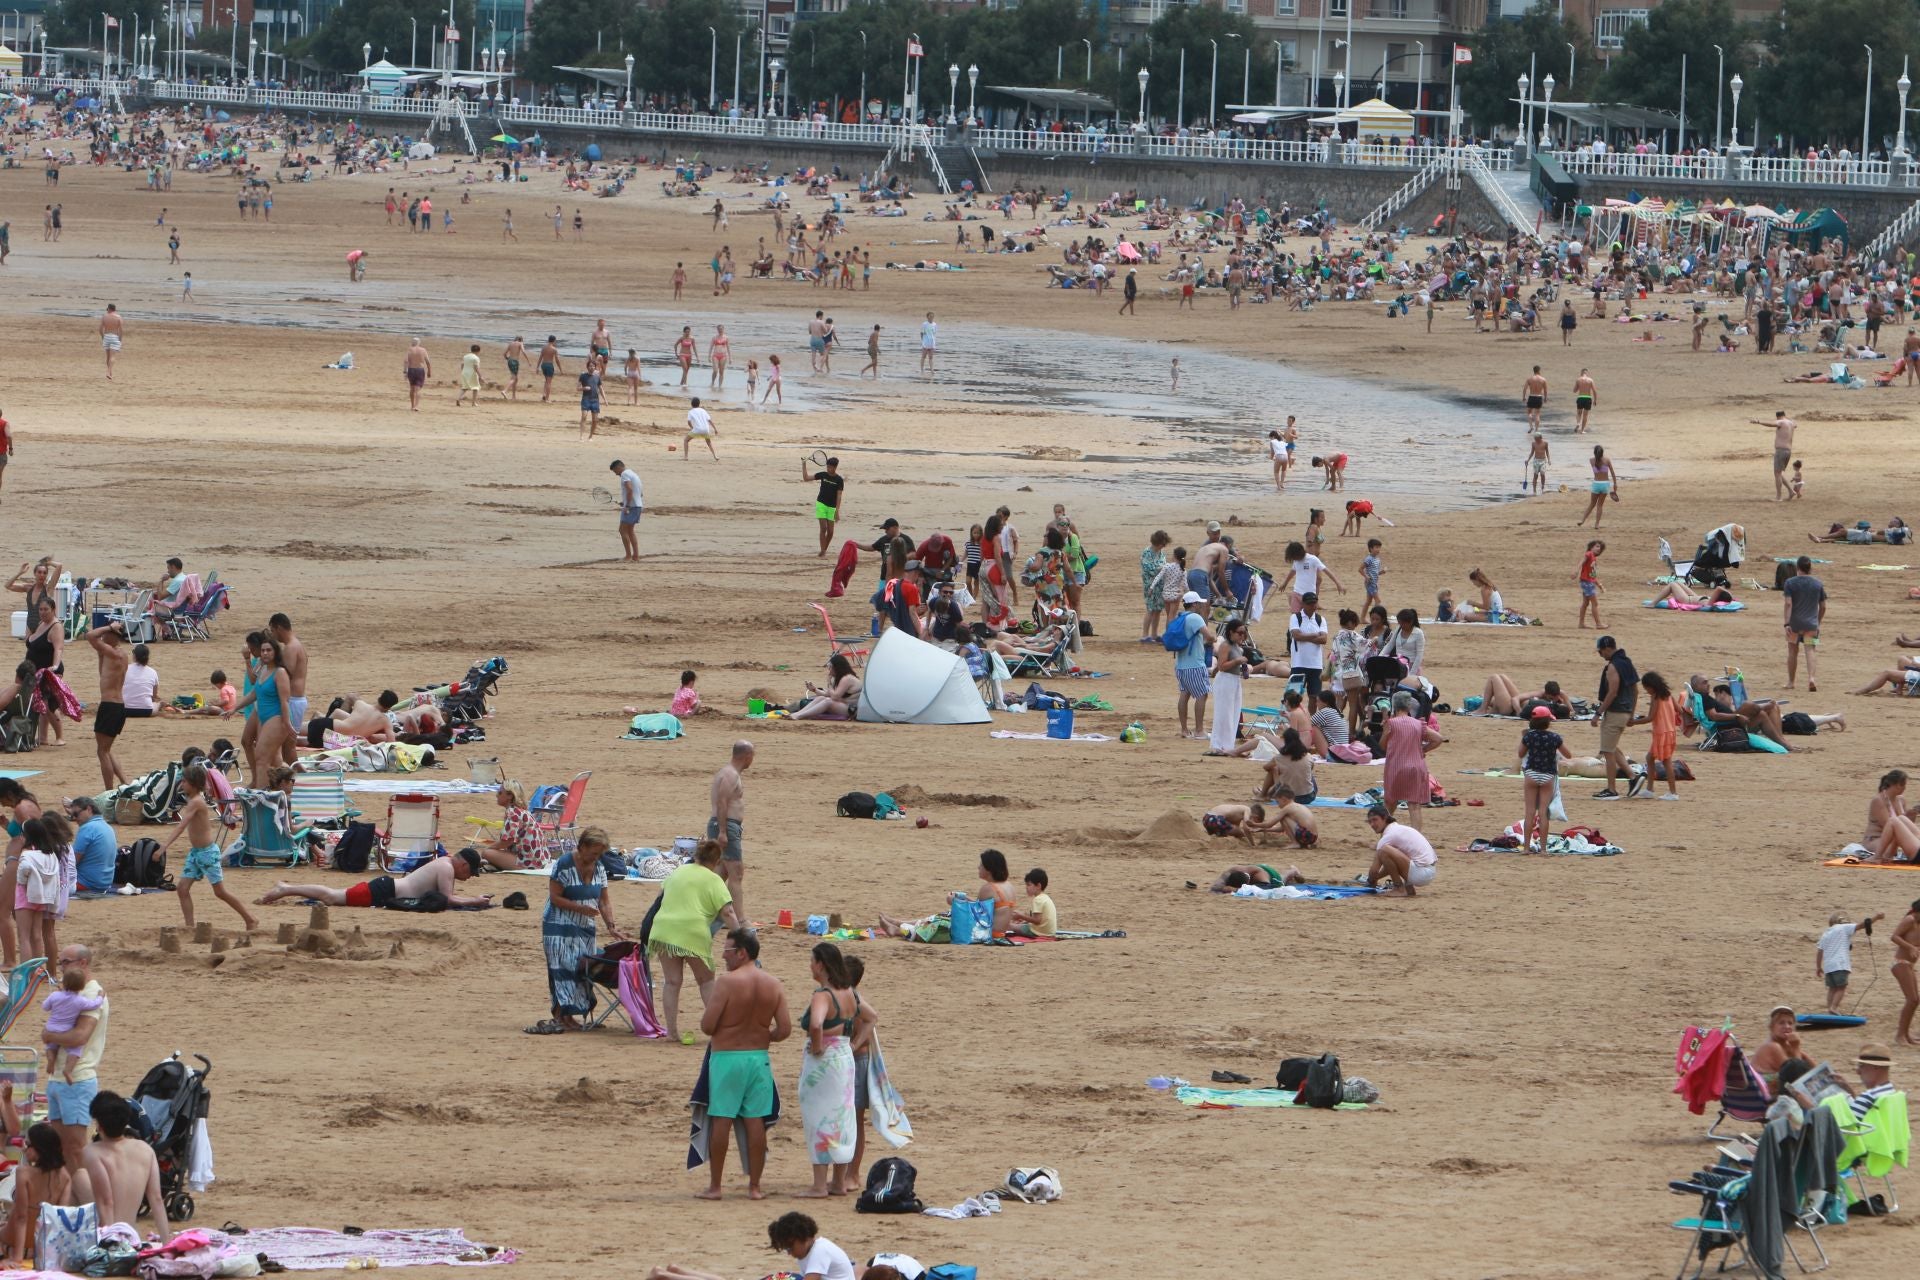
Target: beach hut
(382, 78)
(1373, 119)
(908, 681)
(10, 61)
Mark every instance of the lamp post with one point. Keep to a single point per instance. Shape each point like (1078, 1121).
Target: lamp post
(1143, 99)
(1738, 84)
(1346, 59)
(713, 66)
(629, 105)
(1089, 44)
(740, 35)
(1570, 53)
(1213, 84)
(774, 69)
(1340, 91)
(1526, 126)
(1235, 35)
(1419, 84)
(366, 55)
(953, 92)
(863, 76)
(1902, 84)
(1277, 68)
(233, 46)
(1866, 114)
(1180, 105)
(413, 43)
(1719, 79)
(973, 85)
(1546, 114)
(253, 51)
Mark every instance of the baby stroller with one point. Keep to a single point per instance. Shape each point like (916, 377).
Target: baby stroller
(466, 701)
(1383, 677)
(1721, 550)
(172, 1100)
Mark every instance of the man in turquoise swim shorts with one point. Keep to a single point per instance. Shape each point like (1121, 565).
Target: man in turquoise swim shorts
(745, 1015)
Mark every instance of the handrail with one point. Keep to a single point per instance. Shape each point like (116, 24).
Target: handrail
(1894, 234)
(1408, 191)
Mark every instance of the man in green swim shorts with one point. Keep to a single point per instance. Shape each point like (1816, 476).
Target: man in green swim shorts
(826, 503)
(745, 1015)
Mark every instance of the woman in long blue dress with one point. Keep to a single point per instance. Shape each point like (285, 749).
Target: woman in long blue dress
(576, 895)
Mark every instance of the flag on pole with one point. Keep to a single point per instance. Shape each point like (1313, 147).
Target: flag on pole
(914, 50)
(112, 22)
(453, 35)
(1462, 54)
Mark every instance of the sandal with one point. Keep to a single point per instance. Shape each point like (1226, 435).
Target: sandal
(545, 1027)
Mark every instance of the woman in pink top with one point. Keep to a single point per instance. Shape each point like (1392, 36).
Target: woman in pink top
(1405, 742)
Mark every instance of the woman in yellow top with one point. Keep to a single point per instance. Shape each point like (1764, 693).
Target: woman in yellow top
(679, 931)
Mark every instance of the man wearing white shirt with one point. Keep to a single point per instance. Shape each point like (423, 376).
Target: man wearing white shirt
(629, 509)
(1308, 632)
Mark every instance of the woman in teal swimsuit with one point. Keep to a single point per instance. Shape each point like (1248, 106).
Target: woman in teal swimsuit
(826, 1073)
(269, 701)
(250, 730)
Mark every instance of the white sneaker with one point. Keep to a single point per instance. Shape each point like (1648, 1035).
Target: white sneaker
(1671, 795)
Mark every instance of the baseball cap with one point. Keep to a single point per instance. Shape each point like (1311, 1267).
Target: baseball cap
(1542, 713)
(1213, 526)
(1193, 597)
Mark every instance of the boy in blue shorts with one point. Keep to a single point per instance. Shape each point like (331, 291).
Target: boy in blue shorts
(203, 857)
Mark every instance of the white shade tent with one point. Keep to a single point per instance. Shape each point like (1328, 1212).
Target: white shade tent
(908, 681)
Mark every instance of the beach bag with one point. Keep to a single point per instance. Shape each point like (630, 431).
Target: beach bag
(1323, 1086)
(856, 804)
(1798, 723)
(1292, 1073)
(889, 1188)
(142, 864)
(64, 1236)
(355, 848)
(885, 806)
(1060, 722)
(970, 921)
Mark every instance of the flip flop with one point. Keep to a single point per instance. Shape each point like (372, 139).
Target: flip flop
(545, 1027)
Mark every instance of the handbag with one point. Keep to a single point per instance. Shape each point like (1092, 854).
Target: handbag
(970, 921)
(63, 1236)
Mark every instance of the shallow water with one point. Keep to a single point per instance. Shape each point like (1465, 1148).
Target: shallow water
(1408, 449)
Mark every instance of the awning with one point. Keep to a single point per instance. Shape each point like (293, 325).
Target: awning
(1059, 100)
(1609, 115)
(612, 77)
(9, 58)
(1373, 118)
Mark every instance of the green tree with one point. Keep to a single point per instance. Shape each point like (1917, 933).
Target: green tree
(1539, 40)
(674, 50)
(1189, 28)
(1646, 72)
(577, 33)
(77, 22)
(1814, 86)
(387, 25)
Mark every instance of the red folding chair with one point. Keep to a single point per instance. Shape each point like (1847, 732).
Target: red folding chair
(557, 825)
(855, 650)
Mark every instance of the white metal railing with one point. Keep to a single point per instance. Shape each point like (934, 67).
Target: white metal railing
(1502, 199)
(1410, 190)
(1896, 233)
(1768, 170)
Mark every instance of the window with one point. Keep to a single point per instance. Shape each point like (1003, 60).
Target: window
(1236, 6)
(1285, 8)
(1610, 26)
(1338, 9)
(1289, 54)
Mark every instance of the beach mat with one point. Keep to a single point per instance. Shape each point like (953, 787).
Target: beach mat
(1869, 862)
(1731, 606)
(1231, 1099)
(1306, 892)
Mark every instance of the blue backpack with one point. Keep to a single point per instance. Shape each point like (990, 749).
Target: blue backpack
(1179, 635)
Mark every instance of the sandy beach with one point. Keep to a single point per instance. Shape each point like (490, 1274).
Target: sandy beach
(1519, 1020)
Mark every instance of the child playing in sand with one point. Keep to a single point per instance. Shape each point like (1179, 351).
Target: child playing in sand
(1663, 713)
(1041, 919)
(203, 857)
(1589, 581)
(64, 1008)
(1794, 482)
(1358, 509)
(1833, 955)
(1370, 571)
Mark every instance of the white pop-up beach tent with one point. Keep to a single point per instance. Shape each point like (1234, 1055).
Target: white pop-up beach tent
(908, 681)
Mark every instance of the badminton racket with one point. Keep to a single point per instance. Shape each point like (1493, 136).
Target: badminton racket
(605, 497)
(818, 457)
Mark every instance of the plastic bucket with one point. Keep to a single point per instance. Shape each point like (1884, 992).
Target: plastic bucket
(1060, 722)
(756, 706)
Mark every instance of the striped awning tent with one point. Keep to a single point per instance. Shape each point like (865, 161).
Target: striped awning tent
(1373, 119)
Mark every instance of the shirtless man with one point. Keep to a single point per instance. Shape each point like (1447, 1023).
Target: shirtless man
(293, 658)
(817, 338)
(418, 367)
(112, 331)
(745, 1014)
(1535, 393)
(122, 1170)
(873, 355)
(1910, 356)
(354, 717)
(1783, 427)
(516, 352)
(1539, 454)
(1207, 573)
(1259, 875)
(549, 363)
(1906, 951)
(601, 344)
(1584, 394)
(110, 717)
(728, 796)
(439, 876)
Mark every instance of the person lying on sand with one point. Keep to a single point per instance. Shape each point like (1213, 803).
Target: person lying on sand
(438, 876)
(1257, 874)
(1681, 593)
(1896, 533)
(1502, 697)
(1241, 821)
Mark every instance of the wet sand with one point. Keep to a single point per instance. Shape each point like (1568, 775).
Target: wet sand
(1520, 1020)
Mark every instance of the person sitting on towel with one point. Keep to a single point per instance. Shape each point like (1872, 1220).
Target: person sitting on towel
(841, 701)
(1257, 874)
(436, 877)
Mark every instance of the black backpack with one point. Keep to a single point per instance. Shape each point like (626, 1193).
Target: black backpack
(856, 804)
(889, 1188)
(355, 849)
(142, 864)
(1323, 1086)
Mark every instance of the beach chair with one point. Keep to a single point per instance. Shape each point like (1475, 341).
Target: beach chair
(1053, 661)
(556, 823)
(268, 837)
(854, 650)
(1746, 1096)
(1717, 1223)
(603, 971)
(412, 836)
(20, 1063)
(1875, 1144)
(193, 622)
(321, 799)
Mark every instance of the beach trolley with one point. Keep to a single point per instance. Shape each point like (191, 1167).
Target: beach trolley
(412, 836)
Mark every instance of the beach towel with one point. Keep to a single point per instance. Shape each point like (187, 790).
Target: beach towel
(1884, 568)
(1229, 1099)
(1695, 606)
(312, 1249)
(1702, 1062)
(1313, 892)
(658, 726)
(636, 997)
(844, 568)
(1363, 800)
(1577, 846)
(419, 786)
(886, 1111)
(1858, 855)
(702, 1126)
(1043, 737)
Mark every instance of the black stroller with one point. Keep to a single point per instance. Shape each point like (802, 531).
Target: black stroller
(172, 1099)
(466, 701)
(1721, 550)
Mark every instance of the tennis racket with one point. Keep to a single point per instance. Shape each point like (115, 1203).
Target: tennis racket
(605, 497)
(818, 457)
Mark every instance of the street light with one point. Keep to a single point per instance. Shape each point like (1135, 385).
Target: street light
(1903, 85)
(713, 66)
(1525, 126)
(1419, 84)
(1546, 114)
(253, 50)
(953, 92)
(1278, 67)
(1244, 94)
(1866, 115)
(629, 105)
(863, 76)
(1213, 83)
(1739, 84)
(1570, 66)
(1340, 90)
(741, 34)
(1089, 44)
(1719, 79)
(973, 84)
(1143, 99)
(366, 56)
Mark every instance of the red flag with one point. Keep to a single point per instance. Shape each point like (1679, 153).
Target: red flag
(914, 50)
(453, 35)
(1462, 54)
(112, 22)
